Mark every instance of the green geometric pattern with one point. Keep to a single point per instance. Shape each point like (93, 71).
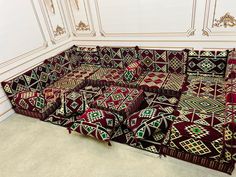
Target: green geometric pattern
(204, 105)
(95, 115)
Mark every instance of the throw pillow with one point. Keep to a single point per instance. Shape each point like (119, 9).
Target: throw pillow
(132, 72)
(149, 120)
(72, 103)
(97, 123)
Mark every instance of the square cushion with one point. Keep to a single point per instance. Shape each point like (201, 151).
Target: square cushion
(147, 121)
(88, 55)
(211, 63)
(72, 103)
(117, 57)
(122, 100)
(168, 61)
(58, 65)
(32, 101)
(97, 123)
(132, 72)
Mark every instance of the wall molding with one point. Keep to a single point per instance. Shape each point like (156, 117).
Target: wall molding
(58, 33)
(38, 49)
(88, 14)
(188, 32)
(207, 30)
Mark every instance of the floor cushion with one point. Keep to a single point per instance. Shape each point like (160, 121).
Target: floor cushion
(72, 103)
(153, 81)
(121, 100)
(201, 140)
(28, 100)
(147, 121)
(97, 123)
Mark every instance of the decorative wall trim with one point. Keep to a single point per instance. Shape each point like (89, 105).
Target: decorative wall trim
(57, 33)
(79, 28)
(209, 24)
(38, 49)
(188, 32)
(226, 20)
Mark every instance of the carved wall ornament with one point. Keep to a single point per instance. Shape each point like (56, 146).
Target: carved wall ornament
(59, 31)
(82, 27)
(227, 21)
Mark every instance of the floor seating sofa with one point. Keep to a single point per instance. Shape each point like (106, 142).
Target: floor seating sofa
(179, 103)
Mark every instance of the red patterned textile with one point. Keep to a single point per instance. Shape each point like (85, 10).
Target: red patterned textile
(32, 101)
(153, 81)
(132, 72)
(122, 100)
(51, 94)
(97, 123)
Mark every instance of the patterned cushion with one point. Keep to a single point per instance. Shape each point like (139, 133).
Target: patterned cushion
(117, 57)
(97, 123)
(92, 92)
(153, 60)
(42, 71)
(13, 86)
(205, 141)
(207, 63)
(59, 66)
(176, 61)
(163, 60)
(122, 100)
(32, 101)
(73, 57)
(51, 94)
(105, 76)
(88, 56)
(133, 84)
(72, 103)
(173, 84)
(133, 71)
(153, 81)
(147, 121)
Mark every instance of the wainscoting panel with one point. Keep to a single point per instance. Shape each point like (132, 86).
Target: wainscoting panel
(55, 20)
(19, 26)
(80, 17)
(146, 18)
(220, 18)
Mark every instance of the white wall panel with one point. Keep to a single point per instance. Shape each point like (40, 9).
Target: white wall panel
(21, 33)
(146, 17)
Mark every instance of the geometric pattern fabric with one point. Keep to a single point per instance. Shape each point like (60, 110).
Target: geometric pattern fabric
(119, 99)
(207, 62)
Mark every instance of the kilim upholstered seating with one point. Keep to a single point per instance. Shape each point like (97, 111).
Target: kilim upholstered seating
(180, 103)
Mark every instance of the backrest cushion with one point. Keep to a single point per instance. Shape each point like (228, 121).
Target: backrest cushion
(88, 55)
(71, 53)
(210, 63)
(117, 57)
(163, 60)
(59, 66)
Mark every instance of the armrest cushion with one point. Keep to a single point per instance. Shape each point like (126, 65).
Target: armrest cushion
(30, 100)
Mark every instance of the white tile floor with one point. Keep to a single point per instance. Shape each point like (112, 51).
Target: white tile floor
(31, 148)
